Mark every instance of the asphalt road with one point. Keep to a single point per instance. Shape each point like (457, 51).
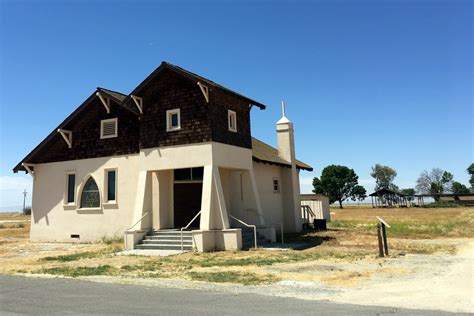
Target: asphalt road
(20, 295)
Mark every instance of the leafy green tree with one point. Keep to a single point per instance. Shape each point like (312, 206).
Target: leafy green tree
(409, 194)
(384, 176)
(434, 183)
(470, 170)
(358, 193)
(459, 188)
(338, 183)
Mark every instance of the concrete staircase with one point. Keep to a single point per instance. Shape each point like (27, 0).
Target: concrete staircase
(248, 241)
(166, 240)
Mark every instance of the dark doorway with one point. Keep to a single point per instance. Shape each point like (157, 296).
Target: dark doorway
(187, 203)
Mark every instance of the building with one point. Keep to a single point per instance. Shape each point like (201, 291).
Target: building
(318, 207)
(177, 148)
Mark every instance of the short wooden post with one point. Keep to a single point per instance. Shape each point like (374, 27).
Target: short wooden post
(379, 237)
(384, 236)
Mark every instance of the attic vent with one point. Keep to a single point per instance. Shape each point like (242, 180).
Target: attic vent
(75, 236)
(108, 128)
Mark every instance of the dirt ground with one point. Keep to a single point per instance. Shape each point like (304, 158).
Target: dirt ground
(430, 264)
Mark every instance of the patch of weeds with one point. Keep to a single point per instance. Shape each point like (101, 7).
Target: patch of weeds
(245, 278)
(2, 226)
(73, 257)
(109, 240)
(79, 271)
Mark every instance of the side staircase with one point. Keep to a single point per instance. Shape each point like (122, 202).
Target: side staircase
(167, 240)
(248, 240)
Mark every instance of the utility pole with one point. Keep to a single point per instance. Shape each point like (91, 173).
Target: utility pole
(24, 199)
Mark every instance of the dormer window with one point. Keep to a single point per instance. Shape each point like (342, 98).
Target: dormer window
(173, 120)
(108, 128)
(232, 119)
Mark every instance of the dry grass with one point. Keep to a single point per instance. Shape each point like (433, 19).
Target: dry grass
(344, 245)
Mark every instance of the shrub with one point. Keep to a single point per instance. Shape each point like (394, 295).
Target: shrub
(27, 210)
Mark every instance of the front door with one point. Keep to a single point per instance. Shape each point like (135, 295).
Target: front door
(187, 203)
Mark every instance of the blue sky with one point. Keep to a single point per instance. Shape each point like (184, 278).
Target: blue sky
(365, 82)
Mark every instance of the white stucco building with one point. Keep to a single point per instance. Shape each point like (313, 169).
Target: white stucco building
(177, 148)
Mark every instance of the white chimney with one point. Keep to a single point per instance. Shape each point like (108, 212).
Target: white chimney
(289, 176)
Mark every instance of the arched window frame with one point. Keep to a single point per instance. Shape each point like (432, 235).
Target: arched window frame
(83, 185)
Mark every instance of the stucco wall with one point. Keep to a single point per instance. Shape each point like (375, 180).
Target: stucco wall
(271, 202)
(52, 220)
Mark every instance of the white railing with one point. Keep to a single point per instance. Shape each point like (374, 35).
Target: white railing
(271, 224)
(250, 226)
(139, 221)
(186, 227)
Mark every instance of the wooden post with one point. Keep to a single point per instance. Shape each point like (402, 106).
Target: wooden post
(384, 236)
(379, 237)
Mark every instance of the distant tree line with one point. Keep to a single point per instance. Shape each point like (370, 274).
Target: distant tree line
(340, 183)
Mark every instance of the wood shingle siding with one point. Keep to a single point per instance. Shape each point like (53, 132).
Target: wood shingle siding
(86, 142)
(167, 92)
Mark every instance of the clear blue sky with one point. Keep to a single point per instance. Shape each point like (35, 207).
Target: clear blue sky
(365, 82)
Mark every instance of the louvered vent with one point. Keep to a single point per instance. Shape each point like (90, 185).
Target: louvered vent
(108, 128)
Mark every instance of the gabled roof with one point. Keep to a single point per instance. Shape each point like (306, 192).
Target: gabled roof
(265, 153)
(183, 72)
(114, 95)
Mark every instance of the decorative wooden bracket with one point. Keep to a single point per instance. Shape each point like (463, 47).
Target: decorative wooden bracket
(67, 135)
(105, 101)
(204, 90)
(138, 102)
(28, 167)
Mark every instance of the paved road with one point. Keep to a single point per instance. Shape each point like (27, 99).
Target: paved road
(20, 295)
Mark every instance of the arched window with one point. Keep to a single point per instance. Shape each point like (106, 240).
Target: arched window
(90, 196)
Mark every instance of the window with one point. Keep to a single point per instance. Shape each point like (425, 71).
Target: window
(276, 185)
(111, 185)
(108, 128)
(70, 188)
(173, 120)
(90, 197)
(189, 174)
(232, 118)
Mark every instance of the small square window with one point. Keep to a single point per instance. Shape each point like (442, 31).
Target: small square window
(276, 186)
(232, 119)
(108, 128)
(173, 120)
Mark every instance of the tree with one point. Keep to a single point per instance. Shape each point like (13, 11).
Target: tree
(409, 194)
(470, 170)
(358, 193)
(459, 188)
(338, 183)
(434, 183)
(384, 176)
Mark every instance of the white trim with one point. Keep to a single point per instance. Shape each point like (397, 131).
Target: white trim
(66, 191)
(105, 101)
(67, 135)
(106, 186)
(28, 167)
(205, 91)
(278, 185)
(230, 114)
(138, 102)
(102, 122)
(169, 113)
(81, 189)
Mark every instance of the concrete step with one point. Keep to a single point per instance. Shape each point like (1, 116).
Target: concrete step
(162, 247)
(169, 237)
(167, 242)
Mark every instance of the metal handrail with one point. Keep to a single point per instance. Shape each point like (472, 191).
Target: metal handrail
(308, 210)
(186, 227)
(271, 224)
(144, 215)
(248, 225)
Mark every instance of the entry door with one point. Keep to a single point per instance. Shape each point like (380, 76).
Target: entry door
(187, 203)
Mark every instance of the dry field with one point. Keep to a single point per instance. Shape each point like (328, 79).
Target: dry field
(344, 255)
